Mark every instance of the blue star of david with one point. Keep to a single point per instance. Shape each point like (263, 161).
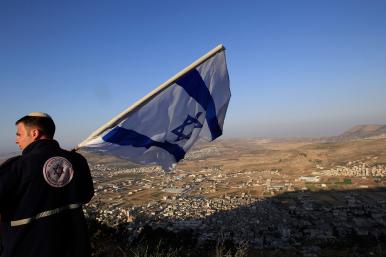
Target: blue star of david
(179, 131)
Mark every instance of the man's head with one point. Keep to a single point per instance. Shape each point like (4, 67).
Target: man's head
(32, 127)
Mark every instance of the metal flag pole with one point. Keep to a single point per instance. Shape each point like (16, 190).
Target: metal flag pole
(150, 95)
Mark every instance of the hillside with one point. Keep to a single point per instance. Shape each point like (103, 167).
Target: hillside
(364, 131)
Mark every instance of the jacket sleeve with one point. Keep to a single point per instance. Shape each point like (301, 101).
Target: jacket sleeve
(8, 181)
(87, 188)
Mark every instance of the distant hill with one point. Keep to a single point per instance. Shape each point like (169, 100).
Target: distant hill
(364, 131)
(105, 159)
(6, 156)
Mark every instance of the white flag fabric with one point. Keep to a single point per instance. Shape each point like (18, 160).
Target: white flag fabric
(163, 129)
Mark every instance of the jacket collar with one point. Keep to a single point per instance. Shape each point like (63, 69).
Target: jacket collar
(40, 144)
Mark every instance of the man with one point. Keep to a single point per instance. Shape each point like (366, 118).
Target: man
(41, 195)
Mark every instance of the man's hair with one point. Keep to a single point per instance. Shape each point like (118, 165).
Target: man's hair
(45, 125)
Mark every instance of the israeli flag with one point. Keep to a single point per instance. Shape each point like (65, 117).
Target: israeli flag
(166, 126)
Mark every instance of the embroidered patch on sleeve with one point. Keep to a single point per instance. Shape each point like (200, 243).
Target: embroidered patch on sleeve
(58, 171)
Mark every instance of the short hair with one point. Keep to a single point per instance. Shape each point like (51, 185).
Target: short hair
(44, 124)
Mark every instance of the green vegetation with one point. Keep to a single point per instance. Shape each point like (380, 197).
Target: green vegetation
(336, 183)
(266, 193)
(345, 181)
(312, 186)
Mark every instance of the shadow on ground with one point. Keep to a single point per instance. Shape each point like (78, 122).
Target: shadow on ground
(322, 223)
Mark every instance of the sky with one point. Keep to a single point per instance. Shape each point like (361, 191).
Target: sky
(297, 68)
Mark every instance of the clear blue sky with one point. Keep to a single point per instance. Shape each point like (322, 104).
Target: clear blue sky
(297, 68)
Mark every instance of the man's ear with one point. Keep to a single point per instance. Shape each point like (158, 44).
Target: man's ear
(35, 133)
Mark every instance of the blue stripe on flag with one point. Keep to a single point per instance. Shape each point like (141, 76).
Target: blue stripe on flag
(122, 136)
(196, 88)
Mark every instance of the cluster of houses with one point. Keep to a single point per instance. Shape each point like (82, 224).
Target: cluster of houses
(357, 170)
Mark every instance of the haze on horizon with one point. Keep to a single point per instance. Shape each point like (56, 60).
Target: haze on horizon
(297, 69)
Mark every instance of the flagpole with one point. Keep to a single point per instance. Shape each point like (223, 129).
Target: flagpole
(153, 93)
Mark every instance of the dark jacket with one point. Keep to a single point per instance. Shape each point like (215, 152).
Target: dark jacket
(41, 193)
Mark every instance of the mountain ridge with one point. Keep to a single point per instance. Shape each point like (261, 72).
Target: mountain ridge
(364, 131)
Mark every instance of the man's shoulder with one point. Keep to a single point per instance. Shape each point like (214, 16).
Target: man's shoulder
(10, 161)
(77, 156)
